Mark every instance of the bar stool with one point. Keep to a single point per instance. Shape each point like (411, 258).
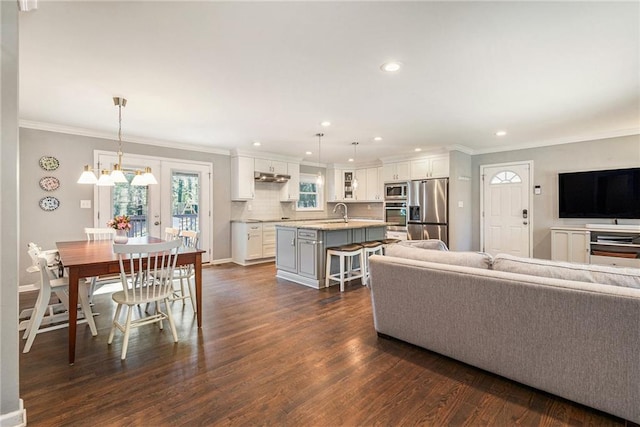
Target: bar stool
(346, 254)
(370, 248)
(387, 242)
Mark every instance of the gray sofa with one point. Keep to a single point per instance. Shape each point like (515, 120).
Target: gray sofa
(568, 329)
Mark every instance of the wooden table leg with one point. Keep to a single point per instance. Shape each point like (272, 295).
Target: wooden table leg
(73, 312)
(198, 268)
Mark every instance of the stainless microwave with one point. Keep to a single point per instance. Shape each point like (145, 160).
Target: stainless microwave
(395, 191)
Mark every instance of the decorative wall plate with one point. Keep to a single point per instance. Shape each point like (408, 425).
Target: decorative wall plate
(49, 183)
(49, 203)
(49, 163)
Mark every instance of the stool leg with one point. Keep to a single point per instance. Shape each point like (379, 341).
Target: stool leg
(342, 272)
(327, 272)
(363, 268)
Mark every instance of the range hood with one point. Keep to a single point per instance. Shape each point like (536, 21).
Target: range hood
(270, 177)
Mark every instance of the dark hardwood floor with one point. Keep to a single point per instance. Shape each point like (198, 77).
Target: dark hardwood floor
(270, 352)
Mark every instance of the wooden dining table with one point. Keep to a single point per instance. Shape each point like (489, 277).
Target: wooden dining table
(96, 258)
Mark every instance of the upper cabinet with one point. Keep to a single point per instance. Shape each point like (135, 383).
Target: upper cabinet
(398, 171)
(270, 166)
(370, 185)
(430, 167)
(242, 178)
(290, 191)
(335, 185)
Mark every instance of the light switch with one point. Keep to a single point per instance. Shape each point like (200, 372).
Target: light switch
(85, 204)
(537, 190)
(460, 204)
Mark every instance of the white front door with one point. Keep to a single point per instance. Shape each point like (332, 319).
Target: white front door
(506, 209)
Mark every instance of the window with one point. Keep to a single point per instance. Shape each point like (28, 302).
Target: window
(310, 193)
(506, 177)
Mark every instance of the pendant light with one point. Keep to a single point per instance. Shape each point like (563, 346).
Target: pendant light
(109, 178)
(354, 183)
(320, 178)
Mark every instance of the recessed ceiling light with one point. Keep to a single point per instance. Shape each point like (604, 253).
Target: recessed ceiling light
(256, 143)
(351, 160)
(325, 123)
(377, 138)
(391, 67)
(308, 153)
(501, 133)
(417, 149)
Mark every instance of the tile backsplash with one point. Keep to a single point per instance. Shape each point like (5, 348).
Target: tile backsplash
(267, 205)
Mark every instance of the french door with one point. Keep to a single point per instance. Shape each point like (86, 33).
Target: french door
(181, 199)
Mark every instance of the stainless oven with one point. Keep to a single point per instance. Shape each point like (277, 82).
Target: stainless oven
(396, 212)
(395, 191)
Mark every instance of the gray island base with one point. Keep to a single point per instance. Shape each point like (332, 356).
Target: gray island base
(301, 247)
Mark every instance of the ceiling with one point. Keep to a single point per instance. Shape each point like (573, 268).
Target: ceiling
(221, 75)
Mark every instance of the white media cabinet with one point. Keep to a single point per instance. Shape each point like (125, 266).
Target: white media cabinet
(601, 244)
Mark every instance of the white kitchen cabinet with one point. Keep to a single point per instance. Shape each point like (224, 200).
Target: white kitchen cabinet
(360, 193)
(397, 171)
(268, 239)
(246, 242)
(369, 185)
(270, 166)
(374, 184)
(335, 185)
(290, 190)
(242, 179)
(430, 167)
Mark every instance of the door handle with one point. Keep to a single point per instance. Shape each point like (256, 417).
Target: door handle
(525, 222)
(156, 223)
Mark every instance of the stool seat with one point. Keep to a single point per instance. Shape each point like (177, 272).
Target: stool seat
(370, 248)
(345, 254)
(371, 244)
(390, 241)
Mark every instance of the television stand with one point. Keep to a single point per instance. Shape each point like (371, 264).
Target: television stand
(606, 245)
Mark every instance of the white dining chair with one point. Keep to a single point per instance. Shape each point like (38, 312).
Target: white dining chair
(56, 312)
(186, 273)
(48, 284)
(93, 235)
(171, 233)
(146, 275)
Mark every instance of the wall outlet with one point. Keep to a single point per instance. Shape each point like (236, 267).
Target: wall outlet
(460, 204)
(249, 207)
(85, 204)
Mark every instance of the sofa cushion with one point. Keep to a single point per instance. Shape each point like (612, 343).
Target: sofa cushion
(467, 259)
(425, 244)
(591, 273)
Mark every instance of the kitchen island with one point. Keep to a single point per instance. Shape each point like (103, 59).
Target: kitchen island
(301, 246)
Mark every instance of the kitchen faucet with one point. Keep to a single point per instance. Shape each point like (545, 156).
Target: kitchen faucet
(346, 218)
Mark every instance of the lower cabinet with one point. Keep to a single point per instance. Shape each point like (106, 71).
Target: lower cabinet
(286, 255)
(252, 242)
(309, 248)
(570, 245)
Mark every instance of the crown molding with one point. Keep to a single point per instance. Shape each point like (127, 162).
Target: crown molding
(70, 130)
(560, 141)
(263, 155)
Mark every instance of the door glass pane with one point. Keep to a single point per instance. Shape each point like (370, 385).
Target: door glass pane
(185, 194)
(132, 201)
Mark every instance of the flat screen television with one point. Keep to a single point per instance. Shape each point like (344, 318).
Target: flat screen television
(600, 194)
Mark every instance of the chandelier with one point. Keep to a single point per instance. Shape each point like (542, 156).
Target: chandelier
(109, 178)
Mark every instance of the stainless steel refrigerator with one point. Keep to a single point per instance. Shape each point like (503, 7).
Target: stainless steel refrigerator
(428, 202)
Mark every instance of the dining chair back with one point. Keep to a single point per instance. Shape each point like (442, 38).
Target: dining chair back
(93, 235)
(171, 233)
(48, 283)
(146, 275)
(185, 274)
(99, 233)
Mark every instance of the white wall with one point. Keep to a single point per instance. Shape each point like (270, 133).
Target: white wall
(11, 413)
(460, 217)
(613, 153)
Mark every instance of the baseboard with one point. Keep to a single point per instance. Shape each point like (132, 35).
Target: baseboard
(14, 419)
(221, 261)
